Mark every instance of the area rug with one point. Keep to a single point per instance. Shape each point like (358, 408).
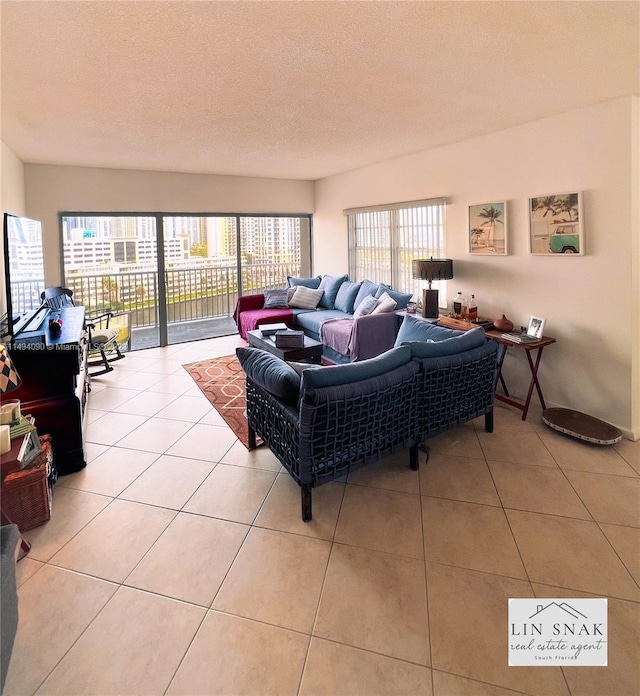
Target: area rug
(222, 381)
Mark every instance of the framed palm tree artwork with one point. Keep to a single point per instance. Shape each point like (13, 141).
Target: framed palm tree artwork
(555, 224)
(488, 229)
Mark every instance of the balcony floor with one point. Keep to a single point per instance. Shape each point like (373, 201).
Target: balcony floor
(147, 337)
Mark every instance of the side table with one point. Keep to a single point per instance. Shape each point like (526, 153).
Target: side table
(26, 493)
(537, 346)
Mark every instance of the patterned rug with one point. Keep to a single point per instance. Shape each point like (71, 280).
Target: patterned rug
(222, 381)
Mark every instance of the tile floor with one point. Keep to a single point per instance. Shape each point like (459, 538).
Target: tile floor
(177, 563)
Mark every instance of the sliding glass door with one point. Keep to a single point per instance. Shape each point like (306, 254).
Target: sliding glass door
(179, 275)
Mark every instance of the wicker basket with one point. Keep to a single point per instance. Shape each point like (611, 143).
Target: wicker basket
(25, 495)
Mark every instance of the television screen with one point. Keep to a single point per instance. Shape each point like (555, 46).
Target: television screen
(23, 268)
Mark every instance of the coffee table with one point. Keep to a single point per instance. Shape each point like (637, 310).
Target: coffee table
(312, 351)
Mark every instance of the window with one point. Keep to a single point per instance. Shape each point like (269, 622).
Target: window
(385, 239)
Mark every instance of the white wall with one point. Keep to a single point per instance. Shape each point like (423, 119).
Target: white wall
(11, 182)
(11, 201)
(590, 302)
(52, 189)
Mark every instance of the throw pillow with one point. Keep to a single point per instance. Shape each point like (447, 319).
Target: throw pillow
(449, 346)
(275, 298)
(413, 329)
(367, 306)
(346, 297)
(402, 298)
(367, 287)
(312, 283)
(330, 285)
(385, 303)
(305, 298)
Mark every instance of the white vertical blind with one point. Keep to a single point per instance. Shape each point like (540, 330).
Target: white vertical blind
(385, 239)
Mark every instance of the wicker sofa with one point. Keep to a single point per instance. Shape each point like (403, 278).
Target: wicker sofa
(323, 422)
(344, 337)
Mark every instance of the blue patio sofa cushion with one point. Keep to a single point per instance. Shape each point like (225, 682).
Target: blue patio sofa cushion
(449, 346)
(271, 373)
(413, 329)
(336, 375)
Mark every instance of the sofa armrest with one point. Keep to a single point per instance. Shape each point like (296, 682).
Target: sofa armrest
(245, 303)
(372, 335)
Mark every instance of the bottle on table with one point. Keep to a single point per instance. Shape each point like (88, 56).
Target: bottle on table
(458, 301)
(473, 309)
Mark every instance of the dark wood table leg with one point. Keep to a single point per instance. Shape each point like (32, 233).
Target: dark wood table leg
(534, 382)
(502, 352)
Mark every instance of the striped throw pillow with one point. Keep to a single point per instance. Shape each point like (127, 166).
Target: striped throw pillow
(305, 298)
(366, 306)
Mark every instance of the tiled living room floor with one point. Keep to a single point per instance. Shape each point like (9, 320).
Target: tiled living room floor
(177, 563)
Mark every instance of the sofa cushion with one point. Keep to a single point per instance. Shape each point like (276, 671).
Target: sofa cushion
(312, 321)
(413, 329)
(330, 285)
(385, 303)
(253, 318)
(449, 346)
(301, 367)
(305, 298)
(402, 298)
(365, 307)
(335, 375)
(271, 373)
(346, 296)
(276, 298)
(367, 287)
(312, 283)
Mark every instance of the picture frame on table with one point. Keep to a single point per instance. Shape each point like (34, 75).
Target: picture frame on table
(29, 449)
(556, 225)
(535, 329)
(487, 229)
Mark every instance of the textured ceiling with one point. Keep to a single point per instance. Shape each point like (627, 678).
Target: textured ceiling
(300, 89)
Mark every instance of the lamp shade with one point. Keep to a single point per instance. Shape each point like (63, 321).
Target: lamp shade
(9, 378)
(432, 269)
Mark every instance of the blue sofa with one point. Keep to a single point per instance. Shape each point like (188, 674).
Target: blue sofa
(366, 336)
(323, 422)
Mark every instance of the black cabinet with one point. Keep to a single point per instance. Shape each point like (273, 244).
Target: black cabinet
(55, 383)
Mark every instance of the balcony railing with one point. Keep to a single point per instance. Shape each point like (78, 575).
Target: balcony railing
(192, 294)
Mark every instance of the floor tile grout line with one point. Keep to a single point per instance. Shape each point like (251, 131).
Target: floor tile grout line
(426, 572)
(513, 536)
(624, 565)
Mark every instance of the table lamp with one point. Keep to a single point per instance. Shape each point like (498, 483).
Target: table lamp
(431, 269)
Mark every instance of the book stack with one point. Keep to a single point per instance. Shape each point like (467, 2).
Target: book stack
(270, 329)
(290, 338)
(517, 337)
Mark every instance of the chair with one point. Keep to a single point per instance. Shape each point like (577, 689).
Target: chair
(57, 297)
(107, 333)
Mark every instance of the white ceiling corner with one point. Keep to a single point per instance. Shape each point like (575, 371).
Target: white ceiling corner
(302, 89)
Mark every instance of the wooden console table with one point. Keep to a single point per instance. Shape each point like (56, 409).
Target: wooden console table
(528, 347)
